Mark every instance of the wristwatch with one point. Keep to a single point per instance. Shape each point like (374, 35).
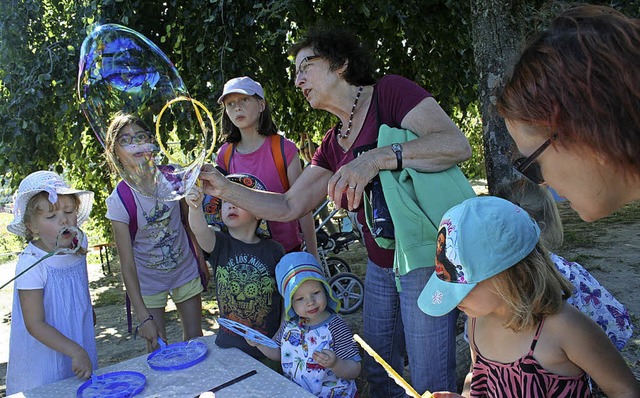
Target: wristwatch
(397, 148)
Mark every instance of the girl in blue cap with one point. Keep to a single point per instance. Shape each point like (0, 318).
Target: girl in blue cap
(525, 340)
(317, 349)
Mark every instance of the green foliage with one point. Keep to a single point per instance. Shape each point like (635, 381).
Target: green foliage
(209, 42)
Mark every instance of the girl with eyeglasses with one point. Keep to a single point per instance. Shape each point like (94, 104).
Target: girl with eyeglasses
(159, 256)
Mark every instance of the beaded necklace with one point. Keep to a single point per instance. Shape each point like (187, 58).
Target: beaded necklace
(353, 110)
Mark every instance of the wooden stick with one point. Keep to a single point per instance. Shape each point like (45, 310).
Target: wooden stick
(392, 373)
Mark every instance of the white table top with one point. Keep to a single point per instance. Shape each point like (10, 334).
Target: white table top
(220, 366)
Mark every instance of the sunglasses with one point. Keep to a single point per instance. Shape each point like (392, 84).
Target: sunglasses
(528, 167)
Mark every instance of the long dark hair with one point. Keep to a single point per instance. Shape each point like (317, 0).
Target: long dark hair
(231, 132)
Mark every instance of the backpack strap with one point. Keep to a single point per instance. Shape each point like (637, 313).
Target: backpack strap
(279, 158)
(228, 154)
(126, 196)
(277, 151)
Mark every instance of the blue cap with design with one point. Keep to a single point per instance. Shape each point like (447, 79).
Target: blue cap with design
(477, 239)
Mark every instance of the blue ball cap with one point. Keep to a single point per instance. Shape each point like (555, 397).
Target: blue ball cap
(477, 239)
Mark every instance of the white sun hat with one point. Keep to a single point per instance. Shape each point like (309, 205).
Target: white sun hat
(54, 185)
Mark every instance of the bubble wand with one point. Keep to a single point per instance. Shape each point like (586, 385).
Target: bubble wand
(77, 236)
(392, 373)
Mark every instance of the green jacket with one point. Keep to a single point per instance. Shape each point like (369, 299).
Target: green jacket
(417, 201)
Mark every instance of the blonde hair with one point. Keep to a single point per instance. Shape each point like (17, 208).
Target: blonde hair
(538, 201)
(39, 204)
(531, 289)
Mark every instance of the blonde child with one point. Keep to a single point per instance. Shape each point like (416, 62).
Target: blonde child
(52, 330)
(525, 340)
(157, 256)
(244, 265)
(317, 349)
(589, 296)
(249, 128)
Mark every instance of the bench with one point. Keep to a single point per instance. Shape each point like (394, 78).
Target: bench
(105, 262)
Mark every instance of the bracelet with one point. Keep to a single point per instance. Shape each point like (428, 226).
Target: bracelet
(135, 332)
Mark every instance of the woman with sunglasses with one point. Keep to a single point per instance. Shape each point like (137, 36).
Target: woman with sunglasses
(334, 72)
(572, 105)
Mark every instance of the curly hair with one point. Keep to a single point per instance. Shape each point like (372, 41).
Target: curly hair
(580, 79)
(338, 45)
(266, 125)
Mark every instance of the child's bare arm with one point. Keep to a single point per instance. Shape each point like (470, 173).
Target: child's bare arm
(269, 352)
(148, 329)
(204, 235)
(32, 304)
(587, 346)
(344, 368)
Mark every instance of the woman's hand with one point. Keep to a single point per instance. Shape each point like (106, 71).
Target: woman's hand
(213, 182)
(352, 178)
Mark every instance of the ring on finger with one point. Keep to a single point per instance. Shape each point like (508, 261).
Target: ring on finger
(352, 187)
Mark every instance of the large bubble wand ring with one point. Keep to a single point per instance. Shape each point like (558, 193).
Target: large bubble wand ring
(203, 126)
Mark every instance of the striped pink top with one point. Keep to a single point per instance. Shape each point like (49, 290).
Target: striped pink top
(523, 377)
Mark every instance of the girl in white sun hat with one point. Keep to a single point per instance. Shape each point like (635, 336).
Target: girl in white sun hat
(52, 329)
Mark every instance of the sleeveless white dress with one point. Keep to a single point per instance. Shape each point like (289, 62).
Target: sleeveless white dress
(67, 307)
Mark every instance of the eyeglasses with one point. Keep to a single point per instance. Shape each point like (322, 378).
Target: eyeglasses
(140, 137)
(304, 64)
(528, 166)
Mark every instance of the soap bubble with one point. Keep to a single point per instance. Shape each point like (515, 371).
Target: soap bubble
(154, 134)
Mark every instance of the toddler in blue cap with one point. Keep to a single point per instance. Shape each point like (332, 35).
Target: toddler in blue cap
(525, 340)
(317, 349)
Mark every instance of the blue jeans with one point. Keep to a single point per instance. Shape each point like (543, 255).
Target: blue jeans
(394, 326)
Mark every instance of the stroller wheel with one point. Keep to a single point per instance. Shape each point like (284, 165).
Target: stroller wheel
(349, 289)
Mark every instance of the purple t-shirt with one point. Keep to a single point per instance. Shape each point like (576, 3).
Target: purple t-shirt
(396, 96)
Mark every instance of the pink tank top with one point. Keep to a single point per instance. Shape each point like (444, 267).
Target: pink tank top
(523, 377)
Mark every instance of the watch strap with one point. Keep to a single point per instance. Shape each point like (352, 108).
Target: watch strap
(397, 149)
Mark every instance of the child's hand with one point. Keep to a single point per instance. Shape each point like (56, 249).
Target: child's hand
(251, 342)
(149, 331)
(194, 197)
(326, 358)
(81, 364)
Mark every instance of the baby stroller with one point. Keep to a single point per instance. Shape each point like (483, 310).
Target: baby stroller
(347, 286)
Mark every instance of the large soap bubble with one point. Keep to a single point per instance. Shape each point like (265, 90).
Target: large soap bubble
(154, 134)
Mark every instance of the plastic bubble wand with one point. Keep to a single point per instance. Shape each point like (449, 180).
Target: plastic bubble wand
(392, 373)
(77, 238)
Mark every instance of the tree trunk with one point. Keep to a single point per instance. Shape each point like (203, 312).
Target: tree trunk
(498, 36)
